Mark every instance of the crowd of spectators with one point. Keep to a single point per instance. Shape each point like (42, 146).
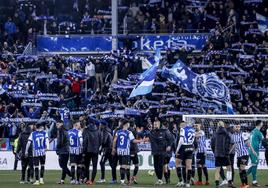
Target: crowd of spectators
(58, 87)
(61, 87)
(22, 20)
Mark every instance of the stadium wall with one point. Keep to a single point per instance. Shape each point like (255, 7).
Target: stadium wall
(145, 157)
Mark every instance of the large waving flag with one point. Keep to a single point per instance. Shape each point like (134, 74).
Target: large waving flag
(147, 62)
(204, 85)
(146, 81)
(262, 22)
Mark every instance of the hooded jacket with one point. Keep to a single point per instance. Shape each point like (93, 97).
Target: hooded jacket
(92, 139)
(221, 143)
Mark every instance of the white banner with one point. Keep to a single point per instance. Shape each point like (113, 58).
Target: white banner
(145, 158)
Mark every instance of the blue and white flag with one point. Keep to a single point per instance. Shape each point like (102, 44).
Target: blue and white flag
(145, 84)
(262, 22)
(152, 60)
(147, 62)
(204, 85)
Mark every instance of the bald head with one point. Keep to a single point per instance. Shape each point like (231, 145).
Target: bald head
(220, 124)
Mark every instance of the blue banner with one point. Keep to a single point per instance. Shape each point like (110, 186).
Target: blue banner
(150, 42)
(73, 43)
(92, 43)
(205, 85)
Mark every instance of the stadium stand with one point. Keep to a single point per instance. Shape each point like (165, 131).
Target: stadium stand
(36, 86)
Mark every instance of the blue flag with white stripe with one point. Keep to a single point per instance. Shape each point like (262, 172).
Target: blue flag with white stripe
(262, 22)
(146, 81)
(204, 85)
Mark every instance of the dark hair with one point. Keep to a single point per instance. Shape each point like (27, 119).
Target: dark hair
(60, 121)
(39, 125)
(124, 121)
(258, 122)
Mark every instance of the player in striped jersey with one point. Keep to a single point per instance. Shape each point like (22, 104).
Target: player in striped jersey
(121, 146)
(75, 150)
(241, 143)
(179, 158)
(201, 154)
(40, 143)
(186, 143)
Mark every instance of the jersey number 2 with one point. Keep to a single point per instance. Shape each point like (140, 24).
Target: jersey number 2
(190, 137)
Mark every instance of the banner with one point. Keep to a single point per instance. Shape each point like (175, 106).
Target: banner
(5, 144)
(150, 42)
(74, 43)
(208, 86)
(93, 43)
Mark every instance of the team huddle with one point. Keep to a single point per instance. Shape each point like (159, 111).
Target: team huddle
(81, 147)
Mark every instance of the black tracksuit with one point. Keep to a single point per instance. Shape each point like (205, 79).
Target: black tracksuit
(134, 153)
(106, 150)
(160, 139)
(62, 150)
(92, 139)
(265, 145)
(221, 142)
(25, 161)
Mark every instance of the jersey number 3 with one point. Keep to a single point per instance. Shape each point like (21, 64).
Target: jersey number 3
(122, 140)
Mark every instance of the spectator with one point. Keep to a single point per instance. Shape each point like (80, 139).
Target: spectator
(33, 112)
(10, 27)
(90, 71)
(76, 89)
(99, 74)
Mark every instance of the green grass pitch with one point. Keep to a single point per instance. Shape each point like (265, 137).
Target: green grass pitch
(10, 179)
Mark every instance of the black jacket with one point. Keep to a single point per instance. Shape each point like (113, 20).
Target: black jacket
(22, 142)
(62, 142)
(221, 143)
(107, 141)
(92, 139)
(265, 144)
(160, 139)
(133, 146)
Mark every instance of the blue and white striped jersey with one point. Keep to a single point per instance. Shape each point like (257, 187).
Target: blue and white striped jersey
(241, 147)
(65, 115)
(124, 137)
(188, 135)
(201, 141)
(75, 137)
(39, 140)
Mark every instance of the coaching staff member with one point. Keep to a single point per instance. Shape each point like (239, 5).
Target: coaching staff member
(62, 150)
(161, 142)
(26, 162)
(92, 140)
(221, 145)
